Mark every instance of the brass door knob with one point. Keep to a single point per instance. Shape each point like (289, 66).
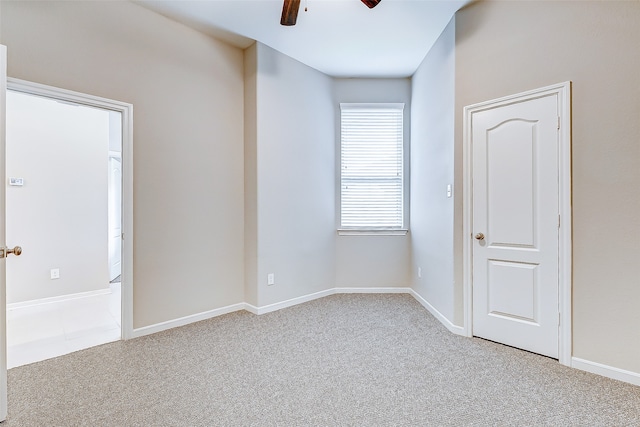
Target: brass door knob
(16, 251)
(480, 236)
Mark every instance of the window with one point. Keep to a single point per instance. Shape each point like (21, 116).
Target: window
(371, 167)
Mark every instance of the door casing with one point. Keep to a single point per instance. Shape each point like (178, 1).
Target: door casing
(3, 282)
(115, 216)
(563, 92)
(126, 111)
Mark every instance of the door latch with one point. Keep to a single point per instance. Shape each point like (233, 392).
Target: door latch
(4, 252)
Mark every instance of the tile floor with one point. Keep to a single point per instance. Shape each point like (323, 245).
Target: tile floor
(49, 330)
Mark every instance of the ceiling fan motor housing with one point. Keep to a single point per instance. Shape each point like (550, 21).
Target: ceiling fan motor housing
(290, 10)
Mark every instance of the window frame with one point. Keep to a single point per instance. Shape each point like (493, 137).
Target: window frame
(365, 230)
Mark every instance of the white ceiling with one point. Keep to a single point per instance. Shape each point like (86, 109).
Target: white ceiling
(342, 38)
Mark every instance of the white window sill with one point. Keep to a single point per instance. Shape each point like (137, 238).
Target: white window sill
(371, 232)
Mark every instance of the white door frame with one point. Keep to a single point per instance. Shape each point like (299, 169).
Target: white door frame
(117, 155)
(3, 288)
(563, 92)
(127, 178)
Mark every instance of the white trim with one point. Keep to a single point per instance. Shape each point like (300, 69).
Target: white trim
(327, 292)
(59, 298)
(364, 232)
(182, 321)
(563, 92)
(363, 290)
(606, 371)
(458, 330)
(565, 245)
(127, 177)
(288, 303)
(3, 282)
(251, 308)
(158, 327)
(372, 106)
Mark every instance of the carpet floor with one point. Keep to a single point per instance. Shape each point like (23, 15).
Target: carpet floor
(343, 360)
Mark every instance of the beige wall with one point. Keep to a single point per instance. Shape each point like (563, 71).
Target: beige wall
(60, 215)
(187, 92)
(372, 261)
(432, 154)
(295, 178)
(508, 47)
(290, 172)
(190, 153)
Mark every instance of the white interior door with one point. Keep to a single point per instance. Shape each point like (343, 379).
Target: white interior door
(515, 224)
(115, 217)
(3, 270)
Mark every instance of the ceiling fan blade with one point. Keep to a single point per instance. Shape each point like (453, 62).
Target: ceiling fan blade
(371, 3)
(290, 12)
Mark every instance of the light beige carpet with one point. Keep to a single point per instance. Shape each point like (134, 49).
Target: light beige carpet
(344, 360)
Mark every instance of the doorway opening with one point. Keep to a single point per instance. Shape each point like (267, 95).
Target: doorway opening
(65, 200)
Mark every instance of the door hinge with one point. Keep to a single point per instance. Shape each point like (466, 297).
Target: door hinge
(558, 221)
(558, 319)
(558, 122)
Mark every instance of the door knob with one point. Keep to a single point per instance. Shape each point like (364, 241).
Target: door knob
(16, 251)
(480, 236)
(6, 251)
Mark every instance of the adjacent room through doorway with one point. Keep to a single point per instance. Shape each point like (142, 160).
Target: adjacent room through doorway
(64, 204)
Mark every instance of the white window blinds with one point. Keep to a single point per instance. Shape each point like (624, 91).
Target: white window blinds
(371, 172)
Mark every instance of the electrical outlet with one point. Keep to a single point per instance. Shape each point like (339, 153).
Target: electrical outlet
(419, 272)
(55, 273)
(271, 279)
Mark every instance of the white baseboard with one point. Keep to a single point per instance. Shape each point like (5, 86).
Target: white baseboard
(288, 303)
(606, 371)
(251, 308)
(163, 326)
(158, 327)
(60, 298)
(388, 290)
(310, 297)
(458, 330)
